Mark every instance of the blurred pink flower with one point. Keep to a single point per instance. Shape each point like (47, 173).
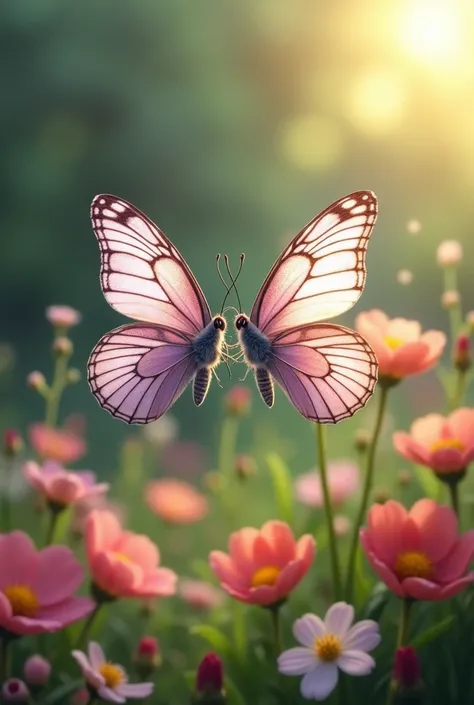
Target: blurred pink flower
(12, 442)
(15, 690)
(264, 565)
(401, 348)
(37, 670)
(107, 680)
(176, 501)
(124, 564)
(62, 487)
(84, 507)
(238, 400)
(449, 252)
(450, 299)
(418, 554)
(342, 525)
(63, 316)
(444, 444)
(200, 594)
(185, 459)
(343, 480)
(55, 444)
(37, 587)
(36, 381)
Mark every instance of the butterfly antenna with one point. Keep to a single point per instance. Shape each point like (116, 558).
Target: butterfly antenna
(218, 257)
(234, 279)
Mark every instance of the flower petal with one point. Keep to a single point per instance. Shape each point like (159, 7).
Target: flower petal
(110, 695)
(59, 574)
(363, 636)
(339, 618)
(308, 628)
(135, 690)
(280, 538)
(438, 528)
(317, 684)
(297, 661)
(96, 655)
(18, 558)
(356, 663)
(456, 562)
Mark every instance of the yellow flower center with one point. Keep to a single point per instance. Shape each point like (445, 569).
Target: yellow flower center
(447, 444)
(327, 647)
(22, 599)
(392, 342)
(112, 675)
(265, 576)
(122, 557)
(413, 564)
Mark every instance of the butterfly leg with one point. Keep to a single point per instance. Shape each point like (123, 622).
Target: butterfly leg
(265, 385)
(201, 384)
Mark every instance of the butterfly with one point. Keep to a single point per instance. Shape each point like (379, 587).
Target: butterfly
(328, 372)
(137, 371)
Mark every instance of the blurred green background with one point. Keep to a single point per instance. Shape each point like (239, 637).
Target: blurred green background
(230, 124)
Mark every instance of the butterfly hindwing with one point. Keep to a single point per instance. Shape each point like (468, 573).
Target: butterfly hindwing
(328, 372)
(322, 272)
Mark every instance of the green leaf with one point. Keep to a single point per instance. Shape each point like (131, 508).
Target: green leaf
(377, 602)
(202, 570)
(60, 695)
(282, 486)
(234, 696)
(217, 639)
(433, 633)
(428, 481)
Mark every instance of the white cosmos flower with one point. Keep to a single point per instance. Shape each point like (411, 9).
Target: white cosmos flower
(328, 646)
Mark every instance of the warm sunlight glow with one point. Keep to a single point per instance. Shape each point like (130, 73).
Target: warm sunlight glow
(376, 102)
(311, 142)
(431, 30)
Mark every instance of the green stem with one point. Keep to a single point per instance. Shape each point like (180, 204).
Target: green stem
(277, 631)
(454, 496)
(322, 463)
(53, 523)
(365, 492)
(6, 503)
(54, 394)
(402, 637)
(459, 390)
(226, 457)
(5, 659)
(455, 313)
(84, 633)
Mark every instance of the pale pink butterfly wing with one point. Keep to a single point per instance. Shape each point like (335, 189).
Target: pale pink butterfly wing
(139, 370)
(328, 372)
(143, 276)
(322, 272)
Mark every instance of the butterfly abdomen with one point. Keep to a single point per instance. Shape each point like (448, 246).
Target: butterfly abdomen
(256, 346)
(201, 384)
(207, 346)
(265, 385)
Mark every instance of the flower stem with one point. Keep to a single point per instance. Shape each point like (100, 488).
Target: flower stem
(402, 636)
(53, 523)
(277, 632)
(6, 502)
(459, 390)
(322, 463)
(53, 397)
(227, 447)
(455, 312)
(84, 633)
(454, 496)
(5, 659)
(365, 492)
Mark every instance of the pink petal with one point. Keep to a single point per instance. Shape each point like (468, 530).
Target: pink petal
(381, 569)
(457, 586)
(28, 625)
(96, 655)
(222, 565)
(446, 460)
(102, 531)
(241, 549)
(289, 577)
(339, 618)
(81, 659)
(110, 695)
(307, 629)
(306, 550)
(68, 611)
(160, 583)
(455, 563)
(5, 609)
(385, 524)
(135, 690)
(403, 329)
(410, 536)
(409, 359)
(421, 589)
(59, 575)
(18, 559)
(410, 449)
(427, 430)
(461, 423)
(114, 575)
(438, 528)
(140, 549)
(356, 663)
(436, 342)
(280, 538)
(296, 661)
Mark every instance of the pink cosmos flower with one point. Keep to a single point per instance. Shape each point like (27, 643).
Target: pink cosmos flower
(62, 487)
(444, 444)
(63, 316)
(106, 679)
(124, 564)
(176, 501)
(37, 587)
(401, 348)
(84, 507)
(343, 480)
(264, 565)
(238, 400)
(418, 553)
(200, 594)
(55, 444)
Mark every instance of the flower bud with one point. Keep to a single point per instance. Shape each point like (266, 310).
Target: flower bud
(362, 439)
(449, 253)
(212, 481)
(462, 353)
(238, 401)
(381, 495)
(73, 376)
(37, 670)
(405, 478)
(450, 299)
(407, 683)
(244, 466)
(63, 317)
(147, 656)
(15, 691)
(62, 346)
(80, 697)
(36, 381)
(12, 443)
(210, 681)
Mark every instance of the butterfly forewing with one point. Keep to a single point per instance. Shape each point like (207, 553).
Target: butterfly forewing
(322, 272)
(327, 371)
(143, 275)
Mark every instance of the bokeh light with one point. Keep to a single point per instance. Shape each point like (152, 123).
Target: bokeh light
(377, 102)
(311, 142)
(431, 30)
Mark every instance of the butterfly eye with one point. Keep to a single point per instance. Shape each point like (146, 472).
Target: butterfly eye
(241, 322)
(219, 323)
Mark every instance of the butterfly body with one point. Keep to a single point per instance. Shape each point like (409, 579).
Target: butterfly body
(207, 345)
(327, 372)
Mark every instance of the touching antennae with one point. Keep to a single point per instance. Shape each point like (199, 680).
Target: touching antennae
(218, 257)
(234, 279)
